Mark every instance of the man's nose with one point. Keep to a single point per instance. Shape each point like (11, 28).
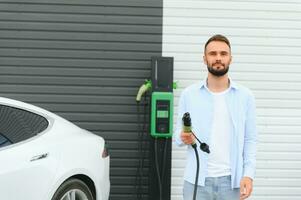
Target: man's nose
(218, 57)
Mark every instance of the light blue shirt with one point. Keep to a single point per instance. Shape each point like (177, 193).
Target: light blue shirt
(198, 101)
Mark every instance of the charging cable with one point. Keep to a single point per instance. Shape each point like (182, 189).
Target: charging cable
(141, 136)
(203, 146)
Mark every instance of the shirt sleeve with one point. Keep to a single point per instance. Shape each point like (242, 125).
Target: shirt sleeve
(181, 111)
(250, 139)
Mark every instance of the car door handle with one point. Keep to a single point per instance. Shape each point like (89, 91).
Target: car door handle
(39, 157)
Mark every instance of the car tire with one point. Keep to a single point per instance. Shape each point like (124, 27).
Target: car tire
(73, 189)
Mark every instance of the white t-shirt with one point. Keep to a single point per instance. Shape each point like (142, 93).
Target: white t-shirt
(219, 157)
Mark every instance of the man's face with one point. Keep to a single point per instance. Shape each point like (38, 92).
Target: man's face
(217, 58)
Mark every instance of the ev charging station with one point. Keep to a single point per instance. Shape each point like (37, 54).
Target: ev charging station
(162, 97)
(160, 128)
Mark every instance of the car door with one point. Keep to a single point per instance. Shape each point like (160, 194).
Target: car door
(26, 167)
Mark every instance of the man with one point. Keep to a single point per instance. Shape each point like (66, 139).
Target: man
(223, 116)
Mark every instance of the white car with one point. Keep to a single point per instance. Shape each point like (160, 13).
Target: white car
(45, 157)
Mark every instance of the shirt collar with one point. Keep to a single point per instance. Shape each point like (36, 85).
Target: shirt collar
(232, 84)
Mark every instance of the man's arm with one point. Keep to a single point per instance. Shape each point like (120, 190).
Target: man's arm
(181, 111)
(249, 153)
(250, 140)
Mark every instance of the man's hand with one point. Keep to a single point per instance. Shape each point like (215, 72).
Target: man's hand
(187, 138)
(246, 187)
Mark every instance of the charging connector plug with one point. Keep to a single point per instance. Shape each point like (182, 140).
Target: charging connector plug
(143, 88)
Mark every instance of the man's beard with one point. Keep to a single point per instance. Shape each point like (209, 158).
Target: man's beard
(220, 72)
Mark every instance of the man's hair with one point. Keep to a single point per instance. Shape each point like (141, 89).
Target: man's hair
(219, 38)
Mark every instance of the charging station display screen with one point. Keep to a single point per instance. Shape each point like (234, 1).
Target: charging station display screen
(162, 118)
(162, 114)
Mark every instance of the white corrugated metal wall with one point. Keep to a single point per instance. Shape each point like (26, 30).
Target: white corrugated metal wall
(266, 46)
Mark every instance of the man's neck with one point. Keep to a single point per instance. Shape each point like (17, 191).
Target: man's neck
(218, 84)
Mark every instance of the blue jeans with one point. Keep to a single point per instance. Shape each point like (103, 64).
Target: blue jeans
(216, 188)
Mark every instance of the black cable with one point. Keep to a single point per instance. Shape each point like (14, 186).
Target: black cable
(196, 137)
(137, 185)
(203, 146)
(164, 158)
(157, 169)
(144, 142)
(197, 171)
(142, 132)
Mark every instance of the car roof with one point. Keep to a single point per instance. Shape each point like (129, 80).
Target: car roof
(34, 109)
(24, 106)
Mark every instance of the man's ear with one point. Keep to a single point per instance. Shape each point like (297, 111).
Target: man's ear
(204, 60)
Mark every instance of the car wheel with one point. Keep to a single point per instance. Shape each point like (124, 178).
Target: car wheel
(73, 189)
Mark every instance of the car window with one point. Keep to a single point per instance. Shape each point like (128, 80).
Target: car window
(4, 141)
(17, 125)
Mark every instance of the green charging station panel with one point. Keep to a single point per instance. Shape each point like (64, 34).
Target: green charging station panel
(162, 114)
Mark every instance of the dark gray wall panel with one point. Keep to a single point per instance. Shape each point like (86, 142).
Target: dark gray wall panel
(84, 60)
